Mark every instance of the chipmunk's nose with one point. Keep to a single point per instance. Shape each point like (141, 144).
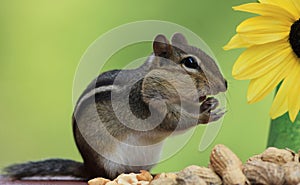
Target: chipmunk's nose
(223, 87)
(219, 86)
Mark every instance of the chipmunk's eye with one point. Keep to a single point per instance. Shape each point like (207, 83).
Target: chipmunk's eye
(190, 62)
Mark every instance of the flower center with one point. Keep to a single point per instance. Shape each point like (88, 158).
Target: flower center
(294, 37)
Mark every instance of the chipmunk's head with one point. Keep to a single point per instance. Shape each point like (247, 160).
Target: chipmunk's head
(180, 71)
(202, 69)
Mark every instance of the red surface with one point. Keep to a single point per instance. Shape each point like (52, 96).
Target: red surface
(5, 181)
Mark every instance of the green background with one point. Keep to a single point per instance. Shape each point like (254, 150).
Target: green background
(42, 41)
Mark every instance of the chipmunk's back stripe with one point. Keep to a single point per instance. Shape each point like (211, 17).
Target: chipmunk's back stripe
(104, 90)
(107, 78)
(102, 86)
(104, 79)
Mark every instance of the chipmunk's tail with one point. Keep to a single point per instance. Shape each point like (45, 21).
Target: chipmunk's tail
(49, 168)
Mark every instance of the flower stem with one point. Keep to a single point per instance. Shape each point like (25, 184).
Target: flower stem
(285, 134)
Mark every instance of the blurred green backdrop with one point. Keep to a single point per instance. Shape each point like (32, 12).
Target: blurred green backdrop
(41, 43)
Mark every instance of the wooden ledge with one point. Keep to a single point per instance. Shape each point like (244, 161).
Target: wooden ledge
(6, 181)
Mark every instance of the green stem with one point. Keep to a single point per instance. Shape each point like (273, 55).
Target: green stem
(285, 134)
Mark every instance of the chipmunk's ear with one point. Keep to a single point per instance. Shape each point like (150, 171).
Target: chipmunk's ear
(161, 46)
(178, 38)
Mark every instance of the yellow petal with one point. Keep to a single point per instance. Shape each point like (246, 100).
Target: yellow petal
(294, 92)
(297, 6)
(262, 86)
(257, 39)
(258, 60)
(280, 103)
(266, 10)
(288, 5)
(262, 29)
(236, 42)
(264, 24)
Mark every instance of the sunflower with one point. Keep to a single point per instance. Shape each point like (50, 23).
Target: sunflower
(272, 56)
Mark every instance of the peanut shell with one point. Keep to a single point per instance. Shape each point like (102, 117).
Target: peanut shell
(296, 155)
(255, 158)
(126, 178)
(264, 173)
(292, 173)
(278, 156)
(144, 176)
(98, 181)
(166, 175)
(225, 163)
(163, 181)
(222, 157)
(207, 174)
(234, 176)
(111, 183)
(190, 180)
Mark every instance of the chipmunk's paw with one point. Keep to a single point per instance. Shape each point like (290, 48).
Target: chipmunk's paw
(208, 111)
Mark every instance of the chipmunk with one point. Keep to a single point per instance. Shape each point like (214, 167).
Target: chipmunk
(123, 116)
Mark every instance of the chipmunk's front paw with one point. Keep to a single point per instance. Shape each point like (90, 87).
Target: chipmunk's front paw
(208, 112)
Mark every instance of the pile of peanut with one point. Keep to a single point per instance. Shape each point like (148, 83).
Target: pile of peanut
(272, 167)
